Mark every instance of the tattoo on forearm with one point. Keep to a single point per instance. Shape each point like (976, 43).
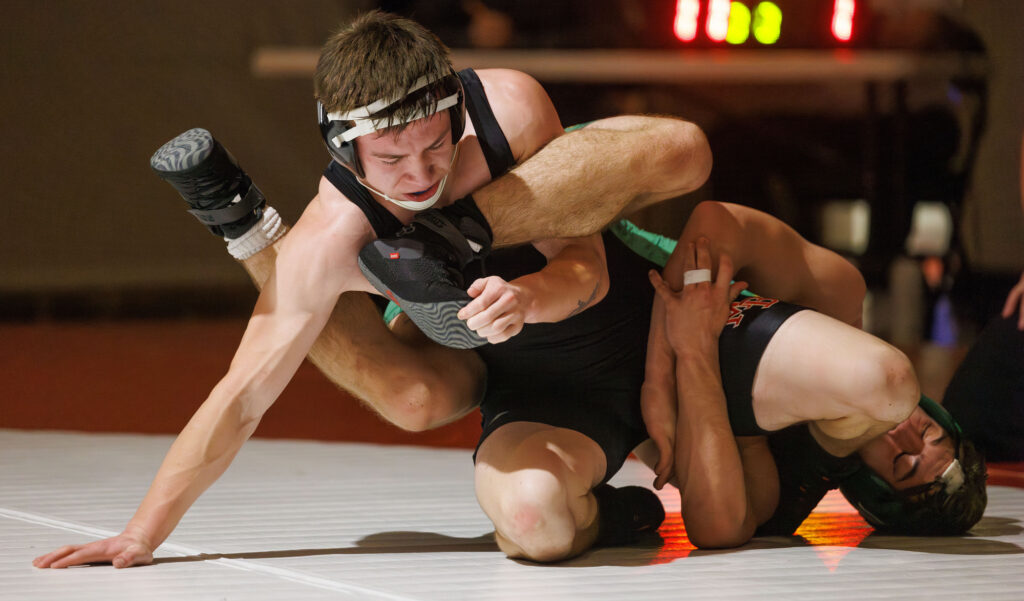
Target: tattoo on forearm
(583, 304)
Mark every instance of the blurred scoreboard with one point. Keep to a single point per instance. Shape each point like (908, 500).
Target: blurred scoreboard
(778, 23)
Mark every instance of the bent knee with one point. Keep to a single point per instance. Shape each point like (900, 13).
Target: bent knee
(686, 151)
(420, 406)
(890, 384)
(530, 513)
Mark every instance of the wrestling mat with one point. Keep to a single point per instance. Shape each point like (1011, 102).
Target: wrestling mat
(309, 520)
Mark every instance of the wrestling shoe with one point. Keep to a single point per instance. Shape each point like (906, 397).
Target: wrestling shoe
(422, 270)
(626, 515)
(219, 193)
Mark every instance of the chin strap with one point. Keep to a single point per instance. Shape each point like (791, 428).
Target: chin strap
(416, 205)
(953, 477)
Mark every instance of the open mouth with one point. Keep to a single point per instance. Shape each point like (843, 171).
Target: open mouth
(422, 194)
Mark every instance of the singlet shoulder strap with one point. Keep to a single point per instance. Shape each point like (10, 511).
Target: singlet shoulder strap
(384, 223)
(488, 132)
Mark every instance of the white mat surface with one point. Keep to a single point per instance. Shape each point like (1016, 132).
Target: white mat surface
(305, 520)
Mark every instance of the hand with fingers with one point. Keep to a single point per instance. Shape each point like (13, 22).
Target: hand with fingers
(684, 323)
(658, 396)
(124, 550)
(498, 309)
(696, 313)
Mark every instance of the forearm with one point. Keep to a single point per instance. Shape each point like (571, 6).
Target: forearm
(274, 344)
(714, 501)
(575, 278)
(198, 457)
(581, 181)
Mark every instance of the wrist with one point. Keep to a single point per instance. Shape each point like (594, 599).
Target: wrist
(697, 352)
(137, 532)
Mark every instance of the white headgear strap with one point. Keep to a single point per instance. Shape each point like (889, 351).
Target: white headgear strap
(363, 116)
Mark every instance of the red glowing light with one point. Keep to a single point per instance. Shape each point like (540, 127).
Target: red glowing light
(842, 19)
(685, 24)
(717, 26)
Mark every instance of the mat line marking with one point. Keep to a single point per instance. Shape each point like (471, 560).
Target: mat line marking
(182, 550)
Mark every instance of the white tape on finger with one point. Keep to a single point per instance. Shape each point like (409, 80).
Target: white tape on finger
(696, 276)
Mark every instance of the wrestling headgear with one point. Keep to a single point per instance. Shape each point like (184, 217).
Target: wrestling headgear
(340, 129)
(905, 511)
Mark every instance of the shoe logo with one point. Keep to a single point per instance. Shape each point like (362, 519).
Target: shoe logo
(393, 255)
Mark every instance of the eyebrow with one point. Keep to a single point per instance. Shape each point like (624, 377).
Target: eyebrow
(381, 155)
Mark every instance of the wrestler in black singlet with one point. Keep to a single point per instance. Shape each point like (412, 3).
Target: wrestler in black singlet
(583, 373)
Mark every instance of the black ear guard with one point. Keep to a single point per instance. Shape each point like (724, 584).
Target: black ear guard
(334, 131)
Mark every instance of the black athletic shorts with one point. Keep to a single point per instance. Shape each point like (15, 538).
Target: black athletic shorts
(606, 408)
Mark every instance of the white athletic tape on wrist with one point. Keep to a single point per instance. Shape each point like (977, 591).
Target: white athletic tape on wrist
(696, 276)
(261, 235)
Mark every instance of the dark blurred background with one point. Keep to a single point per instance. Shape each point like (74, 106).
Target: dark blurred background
(91, 89)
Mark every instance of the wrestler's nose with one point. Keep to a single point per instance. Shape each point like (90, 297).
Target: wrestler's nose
(908, 440)
(422, 172)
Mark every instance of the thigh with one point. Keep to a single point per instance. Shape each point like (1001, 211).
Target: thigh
(610, 419)
(518, 446)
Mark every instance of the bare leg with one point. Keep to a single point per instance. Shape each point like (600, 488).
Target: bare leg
(850, 385)
(534, 482)
(580, 182)
(407, 379)
(818, 366)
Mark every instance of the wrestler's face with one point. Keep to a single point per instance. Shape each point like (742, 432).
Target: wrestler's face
(915, 452)
(410, 164)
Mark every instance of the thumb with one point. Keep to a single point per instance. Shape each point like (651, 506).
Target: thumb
(133, 555)
(659, 285)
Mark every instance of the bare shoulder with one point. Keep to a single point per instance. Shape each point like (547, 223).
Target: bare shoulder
(326, 239)
(522, 108)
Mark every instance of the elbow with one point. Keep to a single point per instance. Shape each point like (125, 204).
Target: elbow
(718, 522)
(684, 152)
(719, 533)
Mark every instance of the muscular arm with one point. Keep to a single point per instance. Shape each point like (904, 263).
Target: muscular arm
(579, 182)
(575, 277)
(725, 484)
(292, 308)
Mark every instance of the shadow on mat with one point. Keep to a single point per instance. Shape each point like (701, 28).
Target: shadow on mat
(971, 544)
(384, 542)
